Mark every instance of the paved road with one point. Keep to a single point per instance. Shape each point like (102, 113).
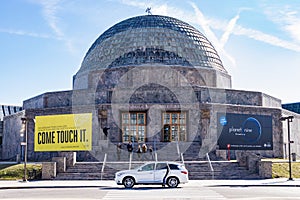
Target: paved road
(109, 191)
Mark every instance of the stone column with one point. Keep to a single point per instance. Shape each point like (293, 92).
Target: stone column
(253, 162)
(241, 157)
(265, 169)
(48, 170)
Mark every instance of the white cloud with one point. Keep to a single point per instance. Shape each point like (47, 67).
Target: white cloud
(219, 44)
(229, 30)
(288, 19)
(266, 38)
(24, 33)
(50, 9)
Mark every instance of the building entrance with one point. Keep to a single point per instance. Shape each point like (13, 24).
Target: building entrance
(174, 126)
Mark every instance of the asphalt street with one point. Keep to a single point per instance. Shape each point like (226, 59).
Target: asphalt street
(195, 189)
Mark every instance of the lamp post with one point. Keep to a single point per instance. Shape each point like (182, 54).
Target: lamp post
(24, 143)
(289, 119)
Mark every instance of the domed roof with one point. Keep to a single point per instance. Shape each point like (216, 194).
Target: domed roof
(151, 39)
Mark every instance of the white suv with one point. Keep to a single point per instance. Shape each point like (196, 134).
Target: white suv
(169, 173)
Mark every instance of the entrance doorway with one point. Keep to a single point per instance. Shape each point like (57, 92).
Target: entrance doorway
(174, 126)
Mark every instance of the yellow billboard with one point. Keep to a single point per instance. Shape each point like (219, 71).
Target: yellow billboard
(68, 132)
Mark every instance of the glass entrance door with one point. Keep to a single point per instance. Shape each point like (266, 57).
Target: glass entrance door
(174, 126)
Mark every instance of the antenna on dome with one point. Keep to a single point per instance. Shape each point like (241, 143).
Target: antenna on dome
(148, 10)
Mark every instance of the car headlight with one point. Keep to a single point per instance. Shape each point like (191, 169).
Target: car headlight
(120, 174)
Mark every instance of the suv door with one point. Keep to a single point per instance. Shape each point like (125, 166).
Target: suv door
(145, 174)
(160, 172)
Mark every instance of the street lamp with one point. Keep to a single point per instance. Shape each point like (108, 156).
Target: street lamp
(289, 119)
(24, 143)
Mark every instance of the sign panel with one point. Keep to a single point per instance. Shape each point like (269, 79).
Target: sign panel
(244, 132)
(69, 132)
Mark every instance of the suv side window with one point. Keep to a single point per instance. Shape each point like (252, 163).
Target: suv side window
(173, 167)
(161, 166)
(148, 167)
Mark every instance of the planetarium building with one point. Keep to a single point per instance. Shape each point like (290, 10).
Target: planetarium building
(158, 81)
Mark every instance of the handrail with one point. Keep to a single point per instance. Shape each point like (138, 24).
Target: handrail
(103, 165)
(210, 166)
(178, 150)
(182, 159)
(130, 160)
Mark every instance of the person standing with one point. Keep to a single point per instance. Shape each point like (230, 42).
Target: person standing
(129, 148)
(144, 151)
(139, 151)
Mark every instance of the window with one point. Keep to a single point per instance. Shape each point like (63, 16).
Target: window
(173, 167)
(133, 126)
(174, 126)
(148, 167)
(161, 166)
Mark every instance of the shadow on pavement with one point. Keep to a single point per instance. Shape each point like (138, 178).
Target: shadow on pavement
(138, 188)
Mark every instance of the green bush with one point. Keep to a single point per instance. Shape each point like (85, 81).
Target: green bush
(16, 171)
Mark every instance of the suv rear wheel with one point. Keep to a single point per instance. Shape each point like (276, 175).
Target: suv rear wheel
(172, 182)
(128, 182)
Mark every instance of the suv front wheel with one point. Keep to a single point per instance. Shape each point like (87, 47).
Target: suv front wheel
(172, 182)
(128, 182)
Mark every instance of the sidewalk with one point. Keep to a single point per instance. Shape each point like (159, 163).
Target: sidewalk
(282, 182)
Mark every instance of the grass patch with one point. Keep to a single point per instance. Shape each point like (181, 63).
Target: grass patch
(281, 170)
(16, 171)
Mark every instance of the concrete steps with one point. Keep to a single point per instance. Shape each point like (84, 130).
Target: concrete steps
(221, 170)
(82, 171)
(198, 170)
(166, 151)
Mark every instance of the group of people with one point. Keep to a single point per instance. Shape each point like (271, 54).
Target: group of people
(141, 150)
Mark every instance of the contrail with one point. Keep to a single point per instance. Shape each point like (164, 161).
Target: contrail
(210, 34)
(229, 30)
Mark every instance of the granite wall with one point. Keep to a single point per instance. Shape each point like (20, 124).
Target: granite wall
(12, 138)
(201, 129)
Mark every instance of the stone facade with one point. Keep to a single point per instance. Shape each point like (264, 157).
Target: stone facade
(233, 101)
(12, 138)
(151, 65)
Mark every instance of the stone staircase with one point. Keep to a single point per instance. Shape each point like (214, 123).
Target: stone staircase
(198, 167)
(82, 171)
(221, 170)
(198, 170)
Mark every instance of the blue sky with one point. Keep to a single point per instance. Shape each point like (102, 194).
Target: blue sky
(43, 42)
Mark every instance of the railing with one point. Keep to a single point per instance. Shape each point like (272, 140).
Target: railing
(210, 166)
(181, 157)
(103, 165)
(178, 150)
(130, 160)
